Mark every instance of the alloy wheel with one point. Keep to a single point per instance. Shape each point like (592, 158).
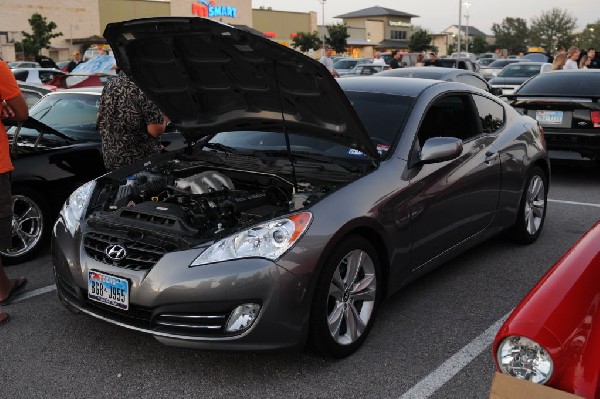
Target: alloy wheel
(535, 204)
(27, 225)
(351, 298)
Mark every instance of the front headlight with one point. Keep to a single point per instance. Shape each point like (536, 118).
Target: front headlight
(75, 205)
(267, 240)
(524, 358)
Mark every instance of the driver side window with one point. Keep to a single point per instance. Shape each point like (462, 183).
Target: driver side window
(449, 116)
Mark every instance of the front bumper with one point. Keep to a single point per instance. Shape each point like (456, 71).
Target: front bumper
(189, 306)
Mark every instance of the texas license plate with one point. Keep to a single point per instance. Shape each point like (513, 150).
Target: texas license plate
(549, 117)
(109, 290)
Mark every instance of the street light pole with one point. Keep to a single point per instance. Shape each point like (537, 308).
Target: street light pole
(323, 24)
(467, 5)
(459, 23)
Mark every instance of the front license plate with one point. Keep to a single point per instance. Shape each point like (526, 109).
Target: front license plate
(549, 117)
(107, 289)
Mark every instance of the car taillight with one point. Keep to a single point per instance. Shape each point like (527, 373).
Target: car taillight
(595, 116)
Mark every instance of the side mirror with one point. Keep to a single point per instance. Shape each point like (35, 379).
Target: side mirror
(496, 91)
(439, 149)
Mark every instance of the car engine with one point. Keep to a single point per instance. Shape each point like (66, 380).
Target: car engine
(187, 203)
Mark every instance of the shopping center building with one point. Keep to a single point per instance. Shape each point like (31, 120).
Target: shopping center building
(82, 22)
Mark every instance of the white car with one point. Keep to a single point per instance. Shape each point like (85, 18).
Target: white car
(513, 75)
(495, 67)
(36, 75)
(23, 64)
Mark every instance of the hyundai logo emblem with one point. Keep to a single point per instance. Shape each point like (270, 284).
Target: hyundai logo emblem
(116, 252)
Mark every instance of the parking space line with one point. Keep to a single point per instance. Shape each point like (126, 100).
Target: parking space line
(31, 294)
(574, 203)
(436, 379)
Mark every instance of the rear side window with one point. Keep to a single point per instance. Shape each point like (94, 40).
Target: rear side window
(473, 81)
(490, 112)
(21, 75)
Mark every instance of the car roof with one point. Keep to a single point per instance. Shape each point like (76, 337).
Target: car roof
(35, 69)
(96, 90)
(387, 85)
(438, 72)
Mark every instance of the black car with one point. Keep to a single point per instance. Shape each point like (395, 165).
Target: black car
(55, 151)
(566, 104)
(439, 73)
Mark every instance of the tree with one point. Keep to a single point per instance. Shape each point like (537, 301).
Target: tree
(510, 34)
(420, 40)
(590, 36)
(338, 34)
(306, 41)
(478, 45)
(41, 36)
(553, 29)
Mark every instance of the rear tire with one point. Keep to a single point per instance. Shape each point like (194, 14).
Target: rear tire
(532, 209)
(346, 298)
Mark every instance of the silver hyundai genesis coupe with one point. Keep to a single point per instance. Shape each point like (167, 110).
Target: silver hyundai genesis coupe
(299, 203)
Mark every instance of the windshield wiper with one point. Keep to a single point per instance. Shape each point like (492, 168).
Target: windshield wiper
(313, 157)
(221, 147)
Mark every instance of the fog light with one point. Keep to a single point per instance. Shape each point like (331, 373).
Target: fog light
(242, 317)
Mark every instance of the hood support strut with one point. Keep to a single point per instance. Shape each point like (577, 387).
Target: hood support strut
(285, 132)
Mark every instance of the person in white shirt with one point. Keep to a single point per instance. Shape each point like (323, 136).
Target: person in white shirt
(572, 57)
(328, 62)
(378, 60)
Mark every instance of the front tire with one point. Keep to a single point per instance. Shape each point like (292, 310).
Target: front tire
(532, 209)
(346, 299)
(30, 226)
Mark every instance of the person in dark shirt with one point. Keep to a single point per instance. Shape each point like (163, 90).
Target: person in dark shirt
(129, 123)
(395, 63)
(433, 60)
(593, 57)
(76, 61)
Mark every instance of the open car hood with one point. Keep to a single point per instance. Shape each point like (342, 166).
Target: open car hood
(208, 77)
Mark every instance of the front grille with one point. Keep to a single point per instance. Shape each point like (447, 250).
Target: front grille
(190, 324)
(140, 255)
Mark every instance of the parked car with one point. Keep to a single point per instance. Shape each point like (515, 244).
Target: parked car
(483, 56)
(537, 57)
(304, 203)
(495, 67)
(439, 73)
(462, 54)
(552, 336)
(566, 104)
(36, 75)
(344, 65)
(405, 60)
(459, 63)
(55, 151)
(23, 64)
(484, 62)
(33, 92)
(366, 70)
(514, 75)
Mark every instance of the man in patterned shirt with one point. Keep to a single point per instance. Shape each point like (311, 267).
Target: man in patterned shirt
(129, 123)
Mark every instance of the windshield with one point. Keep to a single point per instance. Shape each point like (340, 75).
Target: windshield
(382, 115)
(519, 71)
(72, 114)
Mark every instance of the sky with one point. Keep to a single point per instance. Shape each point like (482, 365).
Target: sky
(437, 15)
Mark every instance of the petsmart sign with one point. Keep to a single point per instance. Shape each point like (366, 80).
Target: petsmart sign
(209, 9)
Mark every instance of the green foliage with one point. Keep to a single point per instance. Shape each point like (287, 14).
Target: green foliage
(553, 29)
(478, 45)
(511, 34)
(337, 37)
(590, 36)
(306, 41)
(420, 40)
(41, 36)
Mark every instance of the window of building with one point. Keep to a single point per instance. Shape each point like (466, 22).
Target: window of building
(398, 34)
